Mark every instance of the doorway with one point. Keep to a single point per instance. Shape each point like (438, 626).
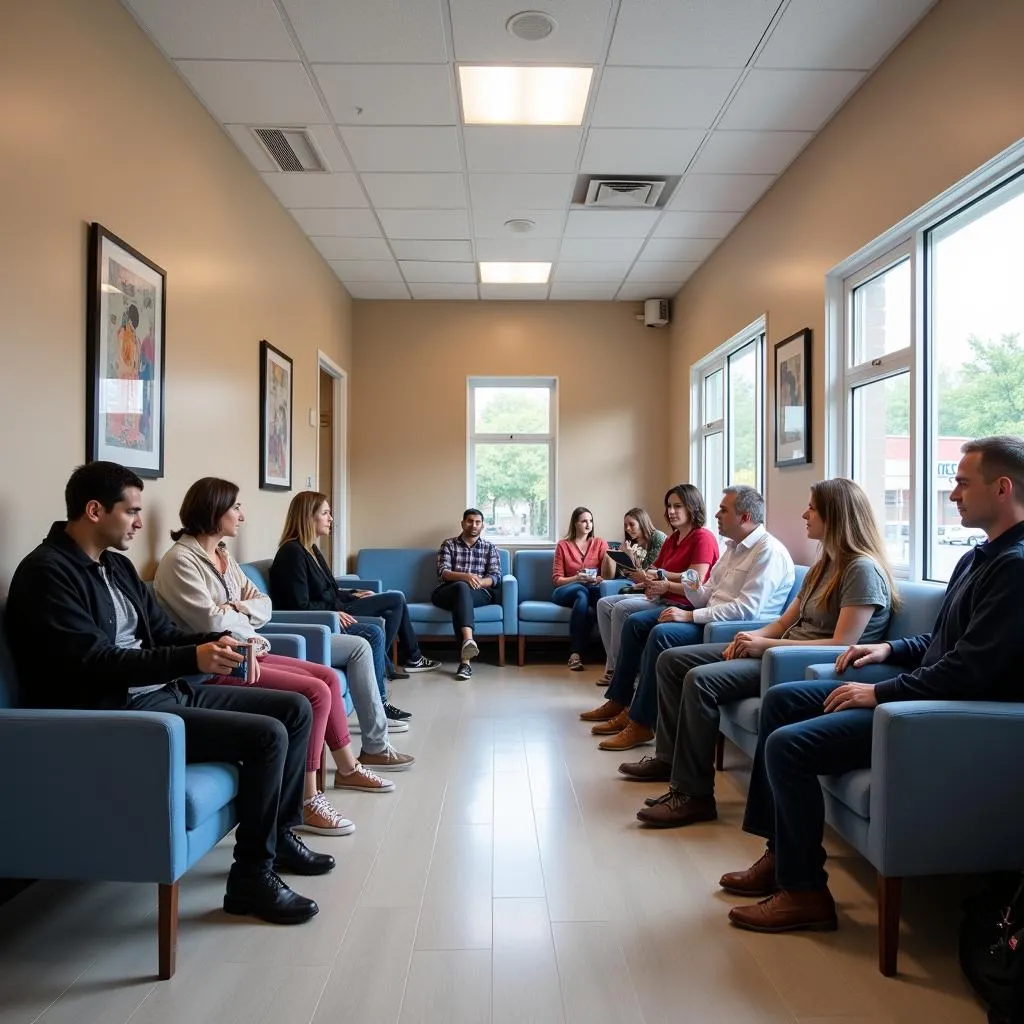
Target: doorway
(332, 457)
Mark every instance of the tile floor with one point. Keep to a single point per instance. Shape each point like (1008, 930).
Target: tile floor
(504, 881)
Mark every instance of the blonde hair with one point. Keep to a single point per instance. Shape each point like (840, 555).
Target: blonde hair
(299, 523)
(850, 531)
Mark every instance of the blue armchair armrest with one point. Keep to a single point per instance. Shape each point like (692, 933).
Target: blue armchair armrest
(317, 638)
(867, 674)
(788, 664)
(610, 587)
(510, 605)
(724, 632)
(287, 645)
(371, 620)
(350, 581)
(318, 618)
(125, 820)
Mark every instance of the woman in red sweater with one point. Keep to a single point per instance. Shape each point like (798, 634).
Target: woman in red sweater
(576, 574)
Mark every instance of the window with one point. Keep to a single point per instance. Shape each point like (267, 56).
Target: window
(512, 429)
(927, 332)
(727, 416)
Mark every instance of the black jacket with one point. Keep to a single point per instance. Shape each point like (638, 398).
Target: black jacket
(61, 628)
(301, 581)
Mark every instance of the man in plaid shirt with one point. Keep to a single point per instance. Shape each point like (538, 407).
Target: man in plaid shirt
(470, 575)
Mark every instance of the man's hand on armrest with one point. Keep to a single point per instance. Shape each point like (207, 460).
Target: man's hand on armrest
(859, 655)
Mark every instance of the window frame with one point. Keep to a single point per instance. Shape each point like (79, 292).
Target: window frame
(550, 439)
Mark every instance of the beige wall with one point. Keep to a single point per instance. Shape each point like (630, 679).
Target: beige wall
(99, 127)
(408, 414)
(947, 100)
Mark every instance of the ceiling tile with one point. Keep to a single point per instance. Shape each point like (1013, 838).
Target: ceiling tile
(513, 248)
(639, 291)
(489, 221)
(426, 224)
(478, 27)
(592, 271)
(422, 290)
(661, 97)
(354, 223)
(725, 192)
(608, 249)
(254, 92)
(596, 291)
(531, 150)
(662, 270)
(679, 248)
(437, 273)
(723, 34)
(403, 149)
(316, 190)
(696, 225)
(528, 191)
(610, 223)
(334, 248)
(513, 291)
(416, 191)
(366, 270)
(789, 100)
(382, 94)
(436, 251)
(376, 290)
(369, 31)
(640, 151)
(755, 152)
(229, 29)
(839, 33)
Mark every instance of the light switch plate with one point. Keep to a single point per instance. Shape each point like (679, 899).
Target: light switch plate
(312, 418)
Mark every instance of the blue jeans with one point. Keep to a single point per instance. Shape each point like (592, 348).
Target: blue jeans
(374, 636)
(796, 743)
(635, 631)
(582, 599)
(664, 636)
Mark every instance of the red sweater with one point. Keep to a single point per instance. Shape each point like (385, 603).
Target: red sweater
(677, 555)
(569, 561)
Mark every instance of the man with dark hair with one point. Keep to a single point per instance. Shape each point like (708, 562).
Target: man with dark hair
(86, 633)
(469, 571)
(822, 727)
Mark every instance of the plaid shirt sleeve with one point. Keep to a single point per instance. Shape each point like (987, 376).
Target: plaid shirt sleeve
(494, 565)
(444, 558)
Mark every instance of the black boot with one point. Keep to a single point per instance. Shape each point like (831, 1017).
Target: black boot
(295, 856)
(264, 895)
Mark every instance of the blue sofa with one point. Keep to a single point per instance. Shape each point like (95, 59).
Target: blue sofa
(413, 571)
(139, 814)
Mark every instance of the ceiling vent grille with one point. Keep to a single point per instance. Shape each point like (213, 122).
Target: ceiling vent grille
(629, 193)
(291, 149)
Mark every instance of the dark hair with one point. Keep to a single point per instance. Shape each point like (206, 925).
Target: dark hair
(98, 481)
(472, 512)
(748, 501)
(203, 505)
(1001, 455)
(692, 502)
(575, 518)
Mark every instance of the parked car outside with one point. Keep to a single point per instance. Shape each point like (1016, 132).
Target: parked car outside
(957, 534)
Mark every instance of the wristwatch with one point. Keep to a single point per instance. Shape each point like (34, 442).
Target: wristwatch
(662, 575)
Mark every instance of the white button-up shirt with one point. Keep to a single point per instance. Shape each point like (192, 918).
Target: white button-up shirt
(751, 580)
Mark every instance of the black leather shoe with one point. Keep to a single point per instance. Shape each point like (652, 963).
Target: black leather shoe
(295, 856)
(267, 897)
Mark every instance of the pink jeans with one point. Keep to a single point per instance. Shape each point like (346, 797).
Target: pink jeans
(320, 685)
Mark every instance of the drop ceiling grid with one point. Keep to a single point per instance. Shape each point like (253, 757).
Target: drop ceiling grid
(723, 93)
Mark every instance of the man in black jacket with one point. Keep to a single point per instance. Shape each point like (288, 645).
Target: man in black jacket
(86, 633)
(813, 728)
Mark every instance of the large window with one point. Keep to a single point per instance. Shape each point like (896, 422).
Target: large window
(928, 331)
(727, 416)
(512, 430)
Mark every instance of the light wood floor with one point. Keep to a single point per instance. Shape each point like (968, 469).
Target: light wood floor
(505, 880)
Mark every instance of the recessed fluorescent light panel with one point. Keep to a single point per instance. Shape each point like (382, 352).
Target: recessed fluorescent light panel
(515, 273)
(525, 95)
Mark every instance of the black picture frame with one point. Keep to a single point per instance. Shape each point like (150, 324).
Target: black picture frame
(792, 410)
(276, 421)
(126, 326)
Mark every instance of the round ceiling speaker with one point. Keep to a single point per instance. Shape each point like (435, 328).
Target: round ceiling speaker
(531, 26)
(520, 225)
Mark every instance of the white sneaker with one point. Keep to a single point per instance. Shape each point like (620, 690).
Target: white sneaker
(320, 818)
(469, 650)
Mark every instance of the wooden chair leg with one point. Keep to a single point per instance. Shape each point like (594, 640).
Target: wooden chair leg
(720, 753)
(522, 650)
(321, 772)
(889, 892)
(167, 929)
(394, 651)
(501, 650)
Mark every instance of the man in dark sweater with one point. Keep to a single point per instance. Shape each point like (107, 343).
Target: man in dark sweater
(85, 632)
(813, 728)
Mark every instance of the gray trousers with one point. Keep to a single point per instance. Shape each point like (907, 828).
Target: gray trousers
(612, 612)
(354, 656)
(693, 682)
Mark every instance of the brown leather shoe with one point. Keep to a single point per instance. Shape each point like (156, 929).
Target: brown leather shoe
(757, 880)
(613, 725)
(605, 713)
(647, 769)
(651, 801)
(789, 911)
(631, 736)
(678, 810)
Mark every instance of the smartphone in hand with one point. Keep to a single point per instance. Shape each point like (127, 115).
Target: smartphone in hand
(246, 670)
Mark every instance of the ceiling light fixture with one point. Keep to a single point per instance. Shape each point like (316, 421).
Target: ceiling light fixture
(515, 273)
(524, 95)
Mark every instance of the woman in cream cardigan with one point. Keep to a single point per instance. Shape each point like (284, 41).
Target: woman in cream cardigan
(201, 587)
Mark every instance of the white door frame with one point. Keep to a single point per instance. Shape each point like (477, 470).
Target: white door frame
(339, 499)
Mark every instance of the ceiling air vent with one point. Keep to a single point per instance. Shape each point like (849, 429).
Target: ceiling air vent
(291, 149)
(630, 193)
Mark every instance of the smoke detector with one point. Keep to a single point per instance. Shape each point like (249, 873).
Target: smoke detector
(520, 225)
(291, 149)
(531, 26)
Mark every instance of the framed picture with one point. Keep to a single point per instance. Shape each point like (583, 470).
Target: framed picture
(275, 419)
(793, 399)
(126, 313)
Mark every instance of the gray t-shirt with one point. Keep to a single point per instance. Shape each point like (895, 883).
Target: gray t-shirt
(863, 583)
(126, 623)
